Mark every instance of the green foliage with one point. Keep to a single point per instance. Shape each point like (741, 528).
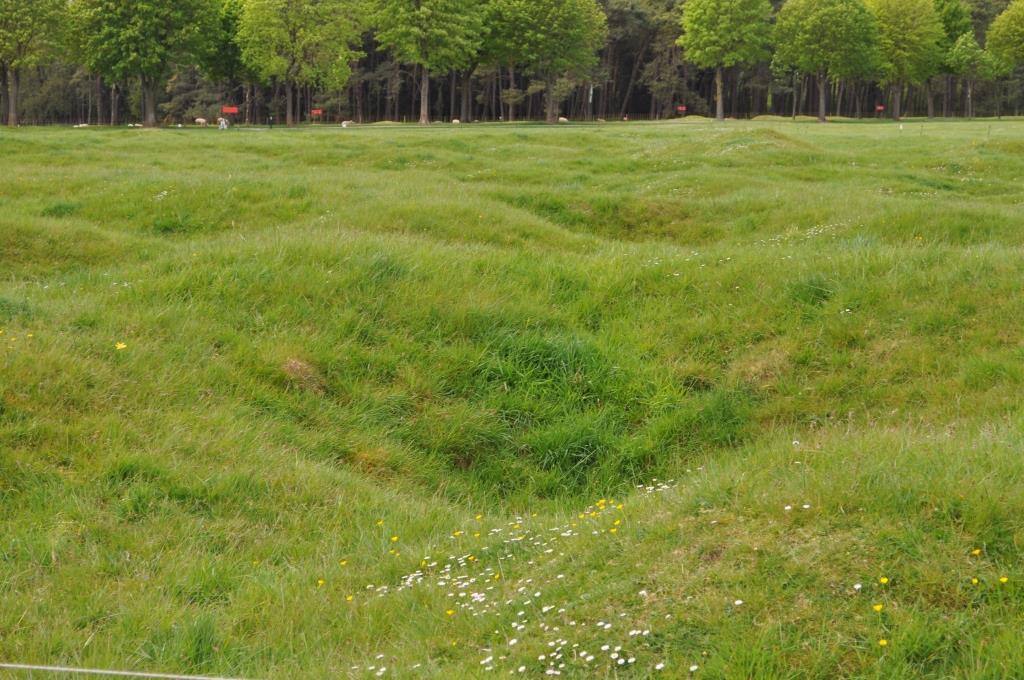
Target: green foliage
(1006, 35)
(911, 34)
(562, 35)
(440, 35)
(122, 40)
(827, 38)
(956, 20)
(29, 30)
(725, 33)
(968, 59)
(300, 42)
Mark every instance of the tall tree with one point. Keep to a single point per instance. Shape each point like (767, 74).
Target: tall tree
(437, 35)
(720, 34)
(1006, 35)
(28, 30)
(828, 39)
(300, 42)
(141, 39)
(955, 17)
(562, 39)
(967, 59)
(910, 39)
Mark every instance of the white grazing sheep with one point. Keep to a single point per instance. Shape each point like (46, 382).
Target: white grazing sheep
(456, 121)
(201, 122)
(562, 119)
(222, 123)
(347, 123)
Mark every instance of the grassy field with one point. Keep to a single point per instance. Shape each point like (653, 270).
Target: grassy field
(645, 400)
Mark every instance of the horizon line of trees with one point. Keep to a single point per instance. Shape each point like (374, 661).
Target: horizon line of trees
(170, 61)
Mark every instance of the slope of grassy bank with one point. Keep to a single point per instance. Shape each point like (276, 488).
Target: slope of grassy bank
(279, 403)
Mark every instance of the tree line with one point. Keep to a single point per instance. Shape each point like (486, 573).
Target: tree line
(169, 61)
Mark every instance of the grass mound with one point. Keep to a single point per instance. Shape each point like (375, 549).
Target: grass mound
(622, 399)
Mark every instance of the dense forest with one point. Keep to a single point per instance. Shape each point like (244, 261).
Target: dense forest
(289, 61)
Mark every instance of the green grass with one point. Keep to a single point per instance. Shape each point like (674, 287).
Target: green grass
(465, 337)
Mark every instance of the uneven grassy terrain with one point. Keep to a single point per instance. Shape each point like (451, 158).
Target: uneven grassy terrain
(377, 401)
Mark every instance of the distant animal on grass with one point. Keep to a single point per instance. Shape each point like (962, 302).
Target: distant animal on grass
(347, 123)
(202, 122)
(456, 121)
(222, 123)
(563, 119)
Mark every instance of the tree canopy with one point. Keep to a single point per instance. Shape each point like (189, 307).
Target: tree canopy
(827, 39)
(720, 34)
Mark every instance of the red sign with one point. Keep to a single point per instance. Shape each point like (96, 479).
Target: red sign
(681, 109)
(317, 112)
(229, 109)
(879, 108)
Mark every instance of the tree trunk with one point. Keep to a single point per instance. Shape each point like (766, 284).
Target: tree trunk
(822, 98)
(114, 104)
(719, 99)
(931, 99)
(551, 108)
(897, 100)
(3, 93)
(359, 102)
(148, 102)
(637, 63)
(453, 86)
(796, 94)
(100, 114)
(13, 85)
(970, 98)
(512, 86)
(425, 97)
(467, 93)
(289, 104)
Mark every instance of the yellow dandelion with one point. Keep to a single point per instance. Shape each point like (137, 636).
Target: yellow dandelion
(883, 642)
(457, 533)
(617, 522)
(119, 346)
(975, 581)
(472, 558)
(394, 539)
(613, 530)
(320, 583)
(580, 516)
(348, 598)
(976, 552)
(883, 580)
(423, 563)
(619, 506)
(380, 522)
(343, 563)
(479, 517)
(1004, 579)
(450, 612)
(476, 534)
(497, 577)
(878, 607)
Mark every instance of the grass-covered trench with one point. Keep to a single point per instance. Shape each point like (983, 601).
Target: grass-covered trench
(739, 400)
